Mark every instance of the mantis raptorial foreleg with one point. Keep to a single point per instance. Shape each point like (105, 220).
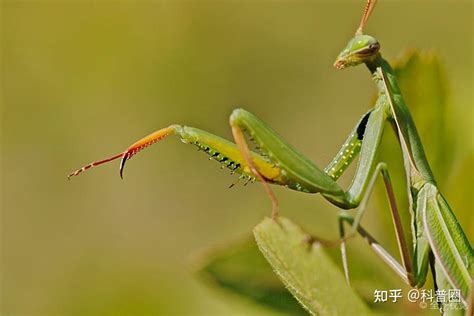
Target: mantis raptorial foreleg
(279, 163)
(299, 173)
(216, 147)
(283, 165)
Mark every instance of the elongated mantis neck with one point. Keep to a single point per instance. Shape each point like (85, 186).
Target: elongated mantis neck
(418, 170)
(375, 62)
(379, 62)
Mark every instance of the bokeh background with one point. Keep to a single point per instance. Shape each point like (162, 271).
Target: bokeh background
(82, 80)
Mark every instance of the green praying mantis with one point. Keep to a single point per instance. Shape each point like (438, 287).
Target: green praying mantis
(438, 241)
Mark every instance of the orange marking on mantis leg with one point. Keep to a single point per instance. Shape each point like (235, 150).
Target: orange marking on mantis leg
(132, 150)
(244, 150)
(144, 143)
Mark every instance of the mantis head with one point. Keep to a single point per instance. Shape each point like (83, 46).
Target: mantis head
(361, 48)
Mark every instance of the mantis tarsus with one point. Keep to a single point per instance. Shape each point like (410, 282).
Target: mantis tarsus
(438, 239)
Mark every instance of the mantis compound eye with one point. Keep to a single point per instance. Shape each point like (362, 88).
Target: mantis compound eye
(371, 50)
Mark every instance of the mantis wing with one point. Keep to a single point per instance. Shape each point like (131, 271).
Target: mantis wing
(447, 240)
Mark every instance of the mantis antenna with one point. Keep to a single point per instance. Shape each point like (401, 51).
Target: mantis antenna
(369, 7)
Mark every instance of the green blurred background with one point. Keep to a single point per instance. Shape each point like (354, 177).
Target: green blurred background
(82, 80)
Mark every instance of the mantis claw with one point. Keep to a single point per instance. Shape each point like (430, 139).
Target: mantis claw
(132, 150)
(122, 163)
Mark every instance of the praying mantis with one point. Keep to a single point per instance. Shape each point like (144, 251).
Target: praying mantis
(438, 241)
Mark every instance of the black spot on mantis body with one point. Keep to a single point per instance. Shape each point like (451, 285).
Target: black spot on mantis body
(349, 150)
(362, 125)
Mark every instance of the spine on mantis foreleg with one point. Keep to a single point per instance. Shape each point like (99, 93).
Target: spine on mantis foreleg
(349, 150)
(228, 154)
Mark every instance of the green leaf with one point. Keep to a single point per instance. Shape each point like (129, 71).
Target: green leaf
(241, 269)
(307, 271)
